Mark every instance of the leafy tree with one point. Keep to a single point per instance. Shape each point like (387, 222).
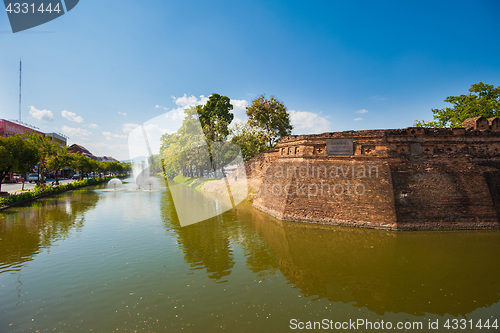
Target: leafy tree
(80, 163)
(16, 155)
(88, 165)
(58, 159)
(122, 167)
(251, 140)
(102, 167)
(171, 154)
(27, 156)
(194, 149)
(483, 100)
(125, 167)
(155, 163)
(7, 157)
(186, 150)
(271, 116)
(47, 150)
(215, 117)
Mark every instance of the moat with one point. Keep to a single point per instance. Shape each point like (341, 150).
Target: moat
(103, 261)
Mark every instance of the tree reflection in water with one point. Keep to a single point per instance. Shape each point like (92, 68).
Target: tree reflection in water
(410, 272)
(24, 232)
(205, 245)
(209, 244)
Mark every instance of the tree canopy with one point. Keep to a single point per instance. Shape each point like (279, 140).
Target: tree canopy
(16, 155)
(20, 154)
(196, 150)
(271, 116)
(215, 117)
(482, 100)
(252, 140)
(185, 151)
(199, 145)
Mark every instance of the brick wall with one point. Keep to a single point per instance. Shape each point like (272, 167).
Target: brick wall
(411, 178)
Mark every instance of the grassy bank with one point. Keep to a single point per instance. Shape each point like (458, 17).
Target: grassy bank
(193, 182)
(43, 191)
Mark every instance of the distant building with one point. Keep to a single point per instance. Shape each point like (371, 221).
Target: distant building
(60, 139)
(106, 159)
(9, 128)
(74, 148)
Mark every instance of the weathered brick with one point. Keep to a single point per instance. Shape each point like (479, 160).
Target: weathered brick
(425, 178)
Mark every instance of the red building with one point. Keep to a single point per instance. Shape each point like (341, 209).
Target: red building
(74, 148)
(9, 128)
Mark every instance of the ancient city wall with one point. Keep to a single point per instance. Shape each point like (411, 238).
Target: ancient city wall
(411, 178)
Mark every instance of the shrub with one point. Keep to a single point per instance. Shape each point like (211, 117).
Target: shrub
(39, 191)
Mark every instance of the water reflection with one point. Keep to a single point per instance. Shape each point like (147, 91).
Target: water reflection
(205, 245)
(209, 245)
(415, 273)
(411, 272)
(26, 229)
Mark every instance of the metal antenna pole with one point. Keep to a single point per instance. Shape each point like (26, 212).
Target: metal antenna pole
(20, 71)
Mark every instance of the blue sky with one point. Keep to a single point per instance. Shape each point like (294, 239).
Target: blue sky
(97, 71)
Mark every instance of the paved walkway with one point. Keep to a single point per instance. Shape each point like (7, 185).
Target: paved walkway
(14, 188)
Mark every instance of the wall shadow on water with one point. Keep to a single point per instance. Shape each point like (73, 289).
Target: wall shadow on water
(412, 272)
(28, 228)
(453, 272)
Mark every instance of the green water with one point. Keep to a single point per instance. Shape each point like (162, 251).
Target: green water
(104, 261)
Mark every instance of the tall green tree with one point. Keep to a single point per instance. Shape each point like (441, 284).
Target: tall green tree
(16, 155)
(250, 139)
(482, 100)
(80, 163)
(215, 117)
(57, 160)
(6, 161)
(47, 149)
(7, 157)
(154, 163)
(271, 116)
(186, 150)
(28, 156)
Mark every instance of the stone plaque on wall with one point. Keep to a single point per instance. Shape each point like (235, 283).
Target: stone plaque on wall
(339, 147)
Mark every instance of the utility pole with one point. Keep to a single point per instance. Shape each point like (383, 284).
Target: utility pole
(20, 71)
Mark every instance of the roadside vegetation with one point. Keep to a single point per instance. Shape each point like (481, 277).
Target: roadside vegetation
(42, 191)
(23, 153)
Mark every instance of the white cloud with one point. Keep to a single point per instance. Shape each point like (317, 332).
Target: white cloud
(239, 110)
(122, 113)
(129, 127)
(93, 126)
(78, 132)
(358, 119)
(362, 111)
(239, 105)
(71, 116)
(172, 119)
(188, 101)
(111, 136)
(308, 122)
(176, 115)
(42, 115)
